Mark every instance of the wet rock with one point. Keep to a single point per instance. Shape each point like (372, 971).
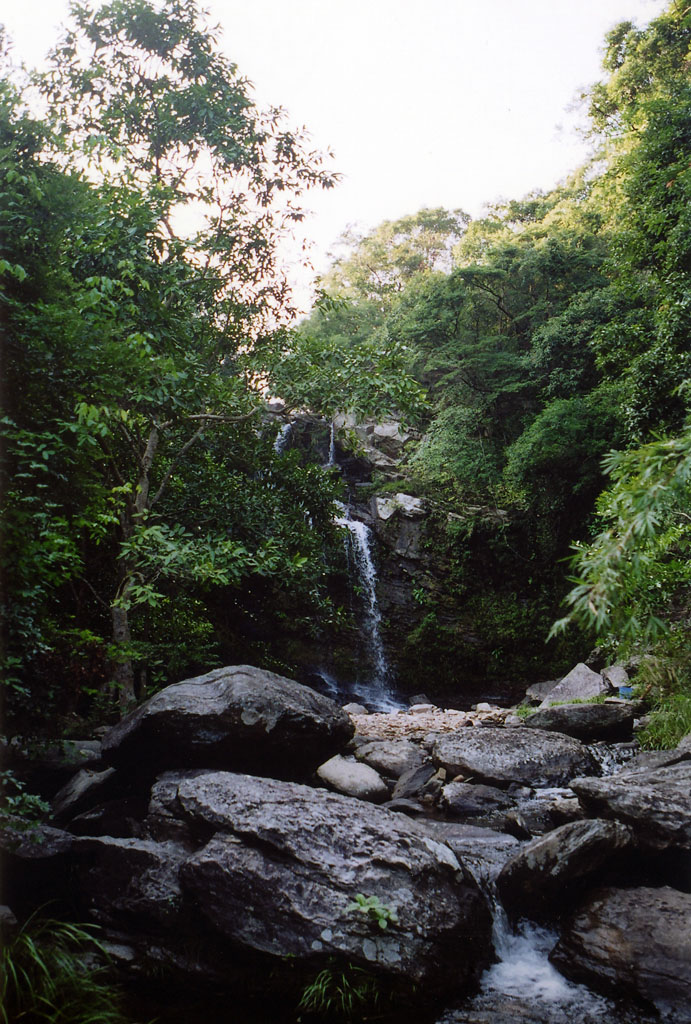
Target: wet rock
(587, 722)
(281, 872)
(501, 756)
(237, 717)
(654, 802)
(580, 683)
(549, 871)
(391, 758)
(484, 851)
(633, 940)
(353, 779)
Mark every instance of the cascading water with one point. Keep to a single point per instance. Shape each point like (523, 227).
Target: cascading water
(523, 985)
(377, 691)
(282, 438)
(332, 447)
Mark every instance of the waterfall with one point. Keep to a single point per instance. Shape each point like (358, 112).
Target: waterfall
(282, 438)
(524, 982)
(378, 691)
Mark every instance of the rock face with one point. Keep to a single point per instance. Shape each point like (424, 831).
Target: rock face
(588, 722)
(286, 862)
(502, 756)
(635, 939)
(547, 872)
(654, 802)
(238, 717)
(272, 870)
(580, 683)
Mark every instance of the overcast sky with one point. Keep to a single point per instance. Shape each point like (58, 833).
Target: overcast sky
(446, 103)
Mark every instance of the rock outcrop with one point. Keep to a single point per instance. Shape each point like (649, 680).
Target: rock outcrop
(233, 718)
(502, 756)
(587, 722)
(655, 802)
(547, 873)
(274, 869)
(636, 940)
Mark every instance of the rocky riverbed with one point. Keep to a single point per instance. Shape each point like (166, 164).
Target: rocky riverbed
(241, 826)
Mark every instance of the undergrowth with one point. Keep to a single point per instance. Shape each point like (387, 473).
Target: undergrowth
(52, 972)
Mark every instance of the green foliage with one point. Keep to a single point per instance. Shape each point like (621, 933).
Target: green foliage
(374, 910)
(637, 565)
(146, 316)
(341, 993)
(670, 722)
(53, 972)
(23, 810)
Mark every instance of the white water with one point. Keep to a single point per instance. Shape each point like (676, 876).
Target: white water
(282, 438)
(332, 448)
(523, 973)
(377, 691)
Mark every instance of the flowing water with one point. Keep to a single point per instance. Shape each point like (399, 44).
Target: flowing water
(377, 689)
(282, 438)
(523, 987)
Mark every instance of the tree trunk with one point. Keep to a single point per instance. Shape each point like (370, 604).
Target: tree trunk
(123, 670)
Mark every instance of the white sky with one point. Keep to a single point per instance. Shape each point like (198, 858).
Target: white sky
(449, 103)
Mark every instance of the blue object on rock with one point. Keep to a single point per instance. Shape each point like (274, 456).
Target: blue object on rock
(626, 691)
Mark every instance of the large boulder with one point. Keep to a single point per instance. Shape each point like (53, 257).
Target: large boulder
(500, 756)
(239, 718)
(547, 872)
(654, 802)
(588, 722)
(286, 862)
(579, 684)
(636, 941)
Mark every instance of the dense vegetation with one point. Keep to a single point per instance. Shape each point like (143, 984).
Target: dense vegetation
(150, 526)
(553, 338)
(146, 320)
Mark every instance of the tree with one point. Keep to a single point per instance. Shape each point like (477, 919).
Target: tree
(164, 334)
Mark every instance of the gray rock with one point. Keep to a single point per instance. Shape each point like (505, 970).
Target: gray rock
(130, 884)
(238, 717)
(417, 783)
(353, 779)
(615, 676)
(483, 851)
(580, 683)
(390, 757)
(633, 940)
(501, 756)
(286, 862)
(588, 722)
(84, 790)
(538, 691)
(468, 800)
(655, 802)
(548, 871)
(355, 709)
